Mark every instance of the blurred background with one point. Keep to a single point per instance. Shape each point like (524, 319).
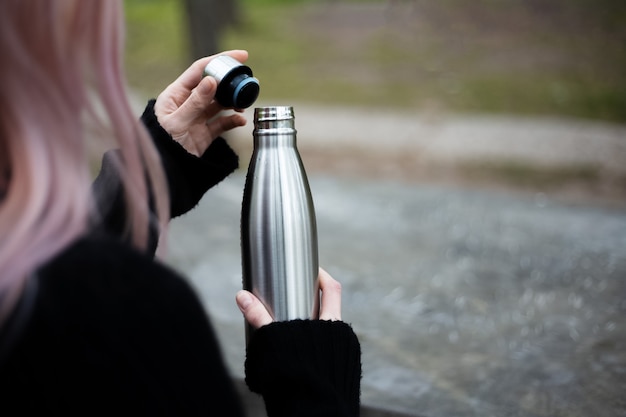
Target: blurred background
(562, 57)
(468, 165)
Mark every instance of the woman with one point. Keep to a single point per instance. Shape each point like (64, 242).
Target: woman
(90, 322)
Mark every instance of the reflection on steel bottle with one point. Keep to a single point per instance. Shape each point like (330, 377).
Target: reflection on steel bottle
(278, 229)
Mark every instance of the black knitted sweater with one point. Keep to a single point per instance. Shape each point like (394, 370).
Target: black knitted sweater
(104, 329)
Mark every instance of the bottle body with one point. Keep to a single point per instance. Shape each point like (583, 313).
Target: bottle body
(278, 226)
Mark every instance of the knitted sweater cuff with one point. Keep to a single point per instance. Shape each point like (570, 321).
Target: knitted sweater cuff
(188, 176)
(306, 368)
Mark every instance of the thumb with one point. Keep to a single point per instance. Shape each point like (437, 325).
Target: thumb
(253, 310)
(198, 102)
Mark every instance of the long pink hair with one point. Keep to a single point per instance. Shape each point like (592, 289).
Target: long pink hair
(55, 57)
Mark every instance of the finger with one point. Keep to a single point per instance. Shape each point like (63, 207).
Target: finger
(197, 104)
(331, 297)
(225, 123)
(253, 310)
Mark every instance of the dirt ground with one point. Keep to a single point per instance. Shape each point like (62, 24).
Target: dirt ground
(606, 191)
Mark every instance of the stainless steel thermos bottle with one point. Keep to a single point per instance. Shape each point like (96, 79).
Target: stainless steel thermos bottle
(278, 228)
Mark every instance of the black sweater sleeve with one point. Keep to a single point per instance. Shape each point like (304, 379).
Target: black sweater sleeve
(306, 368)
(188, 177)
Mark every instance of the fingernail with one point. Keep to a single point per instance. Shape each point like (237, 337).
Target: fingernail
(243, 299)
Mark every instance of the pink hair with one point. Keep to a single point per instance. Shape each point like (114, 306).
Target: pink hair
(54, 52)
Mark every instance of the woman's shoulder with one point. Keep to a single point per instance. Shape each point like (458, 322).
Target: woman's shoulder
(103, 275)
(105, 313)
(107, 263)
(98, 250)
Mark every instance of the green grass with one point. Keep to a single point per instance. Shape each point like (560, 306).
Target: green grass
(156, 44)
(565, 58)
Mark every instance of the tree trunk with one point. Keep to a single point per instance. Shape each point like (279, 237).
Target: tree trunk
(207, 19)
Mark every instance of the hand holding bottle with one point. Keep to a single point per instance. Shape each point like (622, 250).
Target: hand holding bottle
(257, 315)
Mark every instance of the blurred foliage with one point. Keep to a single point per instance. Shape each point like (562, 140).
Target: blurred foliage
(156, 44)
(563, 57)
